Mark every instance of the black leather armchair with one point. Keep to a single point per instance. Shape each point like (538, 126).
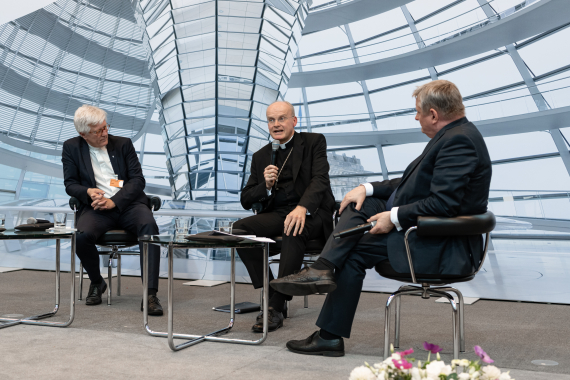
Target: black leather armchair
(434, 285)
(113, 240)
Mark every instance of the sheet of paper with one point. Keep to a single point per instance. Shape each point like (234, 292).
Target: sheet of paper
(262, 239)
(204, 283)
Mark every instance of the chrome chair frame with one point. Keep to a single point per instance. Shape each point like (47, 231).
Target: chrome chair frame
(425, 290)
(212, 337)
(114, 253)
(34, 320)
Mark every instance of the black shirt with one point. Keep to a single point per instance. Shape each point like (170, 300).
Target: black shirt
(285, 195)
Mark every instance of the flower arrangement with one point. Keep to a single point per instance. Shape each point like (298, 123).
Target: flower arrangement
(399, 366)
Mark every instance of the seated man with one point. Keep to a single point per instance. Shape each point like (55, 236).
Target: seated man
(450, 178)
(104, 173)
(297, 201)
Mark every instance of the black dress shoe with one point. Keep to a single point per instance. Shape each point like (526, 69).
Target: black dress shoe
(274, 319)
(95, 292)
(307, 281)
(315, 345)
(154, 306)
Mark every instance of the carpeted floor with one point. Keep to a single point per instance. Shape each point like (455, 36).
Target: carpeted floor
(512, 333)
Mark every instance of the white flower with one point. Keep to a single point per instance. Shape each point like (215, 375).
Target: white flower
(475, 374)
(505, 376)
(436, 368)
(490, 372)
(362, 373)
(416, 374)
(464, 376)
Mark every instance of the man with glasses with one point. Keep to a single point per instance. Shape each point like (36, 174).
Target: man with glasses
(297, 201)
(104, 173)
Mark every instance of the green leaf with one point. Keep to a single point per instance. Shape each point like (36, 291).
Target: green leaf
(452, 376)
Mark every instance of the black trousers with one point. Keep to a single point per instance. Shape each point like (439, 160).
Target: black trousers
(136, 218)
(351, 256)
(270, 224)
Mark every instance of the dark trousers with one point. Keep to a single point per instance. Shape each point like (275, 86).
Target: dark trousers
(270, 224)
(136, 219)
(351, 256)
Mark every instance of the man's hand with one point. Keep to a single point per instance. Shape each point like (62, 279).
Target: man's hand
(270, 174)
(103, 204)
(296, 219)
(356, 195)
(383, 223)
(95, 194)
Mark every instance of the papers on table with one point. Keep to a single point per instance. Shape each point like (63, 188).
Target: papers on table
(250, 237)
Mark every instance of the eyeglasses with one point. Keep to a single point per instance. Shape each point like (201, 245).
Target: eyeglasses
(99, 133)
(280, 120)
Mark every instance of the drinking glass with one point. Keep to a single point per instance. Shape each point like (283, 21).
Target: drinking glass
(59, 219)
(225, 226)
(181, 226)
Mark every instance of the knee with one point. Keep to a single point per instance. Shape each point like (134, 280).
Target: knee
(241, 225)
(147, 227)
(85, 238)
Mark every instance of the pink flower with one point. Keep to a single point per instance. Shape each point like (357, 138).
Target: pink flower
(407, 352)
(433, 348)
(402, 364)
(483, 355)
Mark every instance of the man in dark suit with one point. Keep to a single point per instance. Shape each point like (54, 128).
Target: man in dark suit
(450, 178)
(296, 197)
(104, 173)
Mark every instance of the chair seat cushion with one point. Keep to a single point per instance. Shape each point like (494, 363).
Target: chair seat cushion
(117, 237)
(384, 269)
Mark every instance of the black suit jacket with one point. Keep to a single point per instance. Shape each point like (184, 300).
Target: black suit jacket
(310, 177)
(78, 171)
(451, 177)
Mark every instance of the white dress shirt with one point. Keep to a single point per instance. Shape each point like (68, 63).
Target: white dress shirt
(393, 211)
(103, 170)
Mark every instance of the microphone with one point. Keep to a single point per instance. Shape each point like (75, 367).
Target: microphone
(274, 147)
(32, 220)
(360, 229)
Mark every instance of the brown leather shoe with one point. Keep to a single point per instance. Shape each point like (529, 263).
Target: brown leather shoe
(274, 319)
(307, 281)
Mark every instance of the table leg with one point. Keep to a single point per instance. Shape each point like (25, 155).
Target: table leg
(34, 320)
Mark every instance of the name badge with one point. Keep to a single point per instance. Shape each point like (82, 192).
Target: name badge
(116, 183)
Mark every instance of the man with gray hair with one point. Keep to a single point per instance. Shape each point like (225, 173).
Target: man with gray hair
(104, 173)
(450, 178)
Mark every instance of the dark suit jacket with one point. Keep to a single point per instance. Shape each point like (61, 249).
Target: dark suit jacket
(78, 171)
(310, 176)
(450, 178)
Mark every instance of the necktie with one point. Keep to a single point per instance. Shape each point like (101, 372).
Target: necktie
(390, 202)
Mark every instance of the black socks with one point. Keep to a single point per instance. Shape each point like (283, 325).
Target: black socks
(152, 291)
(323, 264)
(277, 301)
(328, 336)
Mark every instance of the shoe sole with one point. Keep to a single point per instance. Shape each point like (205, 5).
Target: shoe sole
(305, 288)
(332, 354)
(100, 300)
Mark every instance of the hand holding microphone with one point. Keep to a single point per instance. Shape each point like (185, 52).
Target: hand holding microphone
(271, 171)
(358, 230)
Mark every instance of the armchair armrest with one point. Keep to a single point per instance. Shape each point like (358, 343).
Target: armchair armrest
(257, 207)
(154, 202)
(459, 226)
(74, 203)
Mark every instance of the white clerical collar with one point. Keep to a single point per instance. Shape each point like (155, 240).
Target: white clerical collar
(283, 146)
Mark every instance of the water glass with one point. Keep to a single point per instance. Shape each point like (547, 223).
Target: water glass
(2, 220)
(225, 226)
(181, 226)
(59, 220)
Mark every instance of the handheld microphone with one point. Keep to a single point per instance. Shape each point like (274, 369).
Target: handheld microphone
(274, 147)
(360, 229)
(32, 220)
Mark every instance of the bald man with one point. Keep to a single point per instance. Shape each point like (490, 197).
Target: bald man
(297, 201)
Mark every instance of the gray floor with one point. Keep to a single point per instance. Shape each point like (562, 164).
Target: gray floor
(110, 340)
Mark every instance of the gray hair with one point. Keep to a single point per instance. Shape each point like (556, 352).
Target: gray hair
(441, 95)
(287, 103)
(87, 116)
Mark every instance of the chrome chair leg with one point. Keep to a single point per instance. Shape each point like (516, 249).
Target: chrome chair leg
(118, 274)
(80, 282)
(397, 323)
(455, 318)
(306, 302)
(110, 279)
(461, 314)
(387, 328)
(288, 305)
